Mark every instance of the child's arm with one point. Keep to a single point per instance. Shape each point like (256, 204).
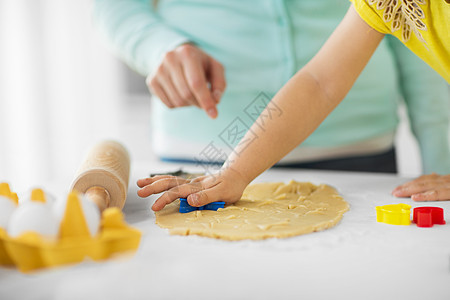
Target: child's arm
(304, 101)
(309, 96)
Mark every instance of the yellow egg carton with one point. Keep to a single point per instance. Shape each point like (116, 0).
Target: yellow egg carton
(31, 251)
(6, 191)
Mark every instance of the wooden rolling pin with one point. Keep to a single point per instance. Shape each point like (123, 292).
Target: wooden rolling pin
(103, 176)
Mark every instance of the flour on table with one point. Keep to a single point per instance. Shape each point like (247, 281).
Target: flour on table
(266, 210)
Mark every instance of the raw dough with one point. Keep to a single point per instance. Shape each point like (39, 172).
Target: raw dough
(266, 210)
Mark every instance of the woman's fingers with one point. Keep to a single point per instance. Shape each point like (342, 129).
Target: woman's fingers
(196, 78)
(169, 89)
(412, 188)
(216, 76)
(184, 78)
(177, 76)
(157, 89)
(432, 187)
(440, 194)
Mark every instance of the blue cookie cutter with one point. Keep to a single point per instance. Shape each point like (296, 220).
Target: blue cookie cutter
(185, 207)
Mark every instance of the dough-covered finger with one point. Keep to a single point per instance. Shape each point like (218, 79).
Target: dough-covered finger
(174, 193)
(440, 194)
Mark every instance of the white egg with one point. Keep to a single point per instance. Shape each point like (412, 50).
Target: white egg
(35, 217)
(92, 215)
(90, 211)
(59, 208)
(7, 207)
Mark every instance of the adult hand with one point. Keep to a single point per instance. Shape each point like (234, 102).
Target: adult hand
(189, 76)
(431, 187)
(227, 186)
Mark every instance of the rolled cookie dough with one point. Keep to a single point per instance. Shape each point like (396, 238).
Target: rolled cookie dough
(266, 210)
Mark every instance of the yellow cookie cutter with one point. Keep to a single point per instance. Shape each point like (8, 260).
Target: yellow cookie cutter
(30, 251)
(394, 214)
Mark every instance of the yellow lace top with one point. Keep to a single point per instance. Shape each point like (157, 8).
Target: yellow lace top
(422, 25)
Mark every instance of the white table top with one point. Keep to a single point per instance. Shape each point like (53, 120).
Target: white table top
(357, 259)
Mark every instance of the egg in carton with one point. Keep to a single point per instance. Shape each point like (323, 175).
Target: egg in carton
(36, 234)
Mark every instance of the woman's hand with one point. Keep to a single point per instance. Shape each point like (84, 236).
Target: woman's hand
(226, 186)
(189, 76)
(431, 187)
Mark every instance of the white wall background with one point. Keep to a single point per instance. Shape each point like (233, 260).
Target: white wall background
(61, 91)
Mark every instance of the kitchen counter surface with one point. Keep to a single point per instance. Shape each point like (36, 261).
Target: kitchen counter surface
(357, 259)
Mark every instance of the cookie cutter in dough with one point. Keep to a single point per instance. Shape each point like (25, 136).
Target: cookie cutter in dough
(185, 207)
(427, 216)
(31, 251)
(394, 214)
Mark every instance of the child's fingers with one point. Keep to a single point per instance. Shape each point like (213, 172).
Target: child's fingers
(146, 181)
(199, 179)
(181, 191)
(161, 185)
(404, 189)
(440, 194)
(205, 197)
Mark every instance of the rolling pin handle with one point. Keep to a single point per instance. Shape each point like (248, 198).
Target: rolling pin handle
(99, 196)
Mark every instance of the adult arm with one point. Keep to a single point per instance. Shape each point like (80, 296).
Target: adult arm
(427, 99)
(136, 32)
(178, 72)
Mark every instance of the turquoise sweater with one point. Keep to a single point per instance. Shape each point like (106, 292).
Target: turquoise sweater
(262, 43)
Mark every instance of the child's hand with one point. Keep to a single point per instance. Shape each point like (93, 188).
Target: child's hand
(431, 187)
(225, 186)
